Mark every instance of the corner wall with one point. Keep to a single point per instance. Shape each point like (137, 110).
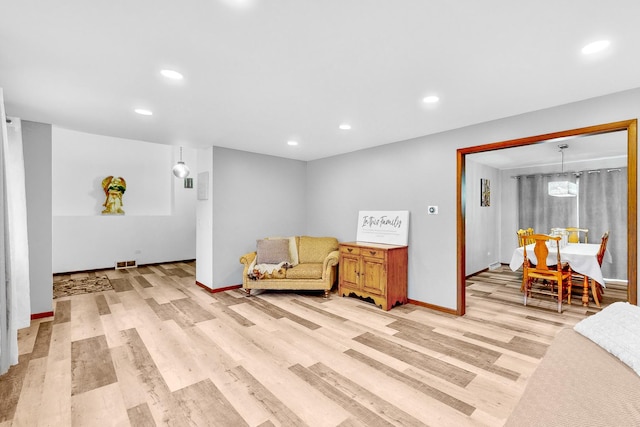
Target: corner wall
(159, 220)
(482, 222)
(252, 196)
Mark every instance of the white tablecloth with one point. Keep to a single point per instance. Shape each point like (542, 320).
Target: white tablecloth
(580, 256)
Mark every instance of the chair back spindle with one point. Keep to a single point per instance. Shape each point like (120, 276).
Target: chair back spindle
(603, 248)
(524, 236)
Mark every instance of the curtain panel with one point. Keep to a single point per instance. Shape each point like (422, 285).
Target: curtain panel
(538, 210)
(602, 200)
(600, 207)
(15, 303)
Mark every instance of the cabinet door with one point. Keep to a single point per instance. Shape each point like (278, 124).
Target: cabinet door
(349, 268)
(373, 275)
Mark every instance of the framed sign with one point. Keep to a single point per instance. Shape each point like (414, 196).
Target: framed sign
(391, 227)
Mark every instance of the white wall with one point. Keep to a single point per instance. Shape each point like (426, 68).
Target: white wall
(204, 217)
(411, 175)
(159, 220)
(482, 225)
(252, 196)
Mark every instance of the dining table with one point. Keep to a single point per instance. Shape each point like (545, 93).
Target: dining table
(581, 257)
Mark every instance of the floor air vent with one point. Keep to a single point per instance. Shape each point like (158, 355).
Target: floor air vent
(126, 264)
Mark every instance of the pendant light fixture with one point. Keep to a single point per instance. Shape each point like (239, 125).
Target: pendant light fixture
(563, 188)
(180, 170)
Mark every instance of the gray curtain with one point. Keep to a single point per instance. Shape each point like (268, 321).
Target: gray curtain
(15, 305)
(538, 210)
(603, 207)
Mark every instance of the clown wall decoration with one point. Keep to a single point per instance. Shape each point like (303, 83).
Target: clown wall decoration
(114, 188)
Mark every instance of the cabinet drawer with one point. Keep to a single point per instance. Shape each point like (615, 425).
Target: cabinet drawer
(372, 253)
(350, 250)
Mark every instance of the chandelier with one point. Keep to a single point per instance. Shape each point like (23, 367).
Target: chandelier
(562, 188)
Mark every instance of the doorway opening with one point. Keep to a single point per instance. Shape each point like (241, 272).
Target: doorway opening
(630, 126)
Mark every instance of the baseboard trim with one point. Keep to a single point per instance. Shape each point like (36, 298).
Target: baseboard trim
(112, 267)
(41, 315)
(433, 307)
(215, 290)
(484, 270)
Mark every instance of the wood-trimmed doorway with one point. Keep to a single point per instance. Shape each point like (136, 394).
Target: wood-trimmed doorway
(630, 126)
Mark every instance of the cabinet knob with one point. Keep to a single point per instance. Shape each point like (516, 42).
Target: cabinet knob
(372, 252)
(350, 249)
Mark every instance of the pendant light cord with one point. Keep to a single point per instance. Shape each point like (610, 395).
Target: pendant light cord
(562, 147)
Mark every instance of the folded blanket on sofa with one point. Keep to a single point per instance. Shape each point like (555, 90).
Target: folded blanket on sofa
(259, 271)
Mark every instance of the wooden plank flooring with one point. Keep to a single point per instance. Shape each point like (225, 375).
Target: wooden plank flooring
(159, 350)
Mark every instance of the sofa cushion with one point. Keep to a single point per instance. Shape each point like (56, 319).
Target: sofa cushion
(308, 270)
(316, 249)
(578, 383)
(273, 251)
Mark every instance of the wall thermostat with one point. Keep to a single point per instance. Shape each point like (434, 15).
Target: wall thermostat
(433, 210)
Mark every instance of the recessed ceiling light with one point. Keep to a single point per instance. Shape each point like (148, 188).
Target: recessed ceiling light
(172, 74)
(595, 47)
(345, 126)
(292, 143)
(431, 99)
(143, 112)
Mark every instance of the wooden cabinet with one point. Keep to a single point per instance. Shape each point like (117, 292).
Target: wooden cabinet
(374, 271)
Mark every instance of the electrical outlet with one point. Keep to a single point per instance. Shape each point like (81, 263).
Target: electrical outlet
(432, 210)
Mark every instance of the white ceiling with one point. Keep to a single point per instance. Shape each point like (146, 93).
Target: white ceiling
(579, 149)
(261, 72)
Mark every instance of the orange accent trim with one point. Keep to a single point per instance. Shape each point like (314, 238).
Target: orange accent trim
(213, 291)
(41, 315)
(432, 307)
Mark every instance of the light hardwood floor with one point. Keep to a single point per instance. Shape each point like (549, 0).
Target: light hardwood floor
(158, 350)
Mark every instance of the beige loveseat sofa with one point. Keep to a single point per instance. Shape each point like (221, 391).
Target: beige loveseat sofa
(580, 383)
(307, 263)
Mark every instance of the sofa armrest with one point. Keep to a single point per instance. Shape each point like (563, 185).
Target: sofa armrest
(330, 261)
(248, 258)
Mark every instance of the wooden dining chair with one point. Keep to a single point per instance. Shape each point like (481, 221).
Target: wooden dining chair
(524, 236)
(556, 279)
(575, 234)
(596, 288)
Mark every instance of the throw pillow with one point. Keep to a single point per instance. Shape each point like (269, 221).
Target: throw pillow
(273, 251)
(617, 330)
(293, 249)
